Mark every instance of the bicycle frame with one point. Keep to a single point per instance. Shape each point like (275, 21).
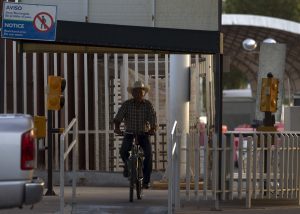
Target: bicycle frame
(135, 169)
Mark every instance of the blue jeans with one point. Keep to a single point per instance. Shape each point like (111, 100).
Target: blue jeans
(144, 142)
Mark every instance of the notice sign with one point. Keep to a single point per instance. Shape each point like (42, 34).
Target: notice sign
(28, 21)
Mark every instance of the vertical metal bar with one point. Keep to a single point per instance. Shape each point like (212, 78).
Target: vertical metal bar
(170, 176)
(268, 176)
(75, 158)
(56, 143)
(248, 173)
(125, 65)
(297, 166)
(282, 164)
(240, 161)
(287, 165)
(106, 91)
(167, 91)
(86, 113)
(74, 177)
(146, 72)
(188, 165)
(15, 76)
(223, 167)
(177, 151)
(275, 171)
(76, 102)
(116, 106)
(97, 151)
(157, 110)
(62, 170)
(255, 142)
(215, 167)
(25, 82)
(206, 166)
(34, 75)
(291, 172)
(45, 101)
(5, 79)
(50, 154)
(262, 163)
(197, 164)
(66, 105)
(231, 169)
(292, 166)
(136, 67)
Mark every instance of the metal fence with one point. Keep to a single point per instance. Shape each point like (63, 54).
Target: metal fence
(96, 85)
(250, 165)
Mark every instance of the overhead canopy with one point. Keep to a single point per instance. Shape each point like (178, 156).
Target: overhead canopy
(237, 28)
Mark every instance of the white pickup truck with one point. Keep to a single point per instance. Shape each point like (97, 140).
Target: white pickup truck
(18, 187)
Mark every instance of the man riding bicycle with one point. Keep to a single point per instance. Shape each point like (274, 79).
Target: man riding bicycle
(139, 118)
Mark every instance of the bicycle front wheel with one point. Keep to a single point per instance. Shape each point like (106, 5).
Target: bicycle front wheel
(132, 179)
(139, 180)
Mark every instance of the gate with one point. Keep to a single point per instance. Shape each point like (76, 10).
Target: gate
(250, 165)
(96, 85)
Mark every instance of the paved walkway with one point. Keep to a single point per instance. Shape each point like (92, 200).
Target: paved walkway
(115, 200)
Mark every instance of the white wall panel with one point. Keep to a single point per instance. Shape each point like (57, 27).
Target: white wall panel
(68, 10)
(124, 12)
(187, 14)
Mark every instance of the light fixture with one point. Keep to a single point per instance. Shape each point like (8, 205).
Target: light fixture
(270, 41)
(249, 44)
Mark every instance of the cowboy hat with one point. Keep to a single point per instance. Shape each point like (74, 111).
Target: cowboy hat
(138, 84)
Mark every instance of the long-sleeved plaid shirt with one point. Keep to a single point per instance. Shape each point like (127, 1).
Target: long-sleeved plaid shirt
(136, 115)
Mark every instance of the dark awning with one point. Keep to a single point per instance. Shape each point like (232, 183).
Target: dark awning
(76, 36)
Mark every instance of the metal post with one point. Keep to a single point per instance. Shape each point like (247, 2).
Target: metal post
(50, 191)
(170, 177)
(218, 119)
(62, 173)
(20, 77)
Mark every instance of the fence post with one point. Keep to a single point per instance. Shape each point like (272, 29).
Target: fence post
(171, 171)
(197, 167)
(177, 170)
(170, 176)
(188, 166)
(62, 173)
(248, 179)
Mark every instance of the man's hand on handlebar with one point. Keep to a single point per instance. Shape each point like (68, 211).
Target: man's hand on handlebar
(118, 132)
(151, 131)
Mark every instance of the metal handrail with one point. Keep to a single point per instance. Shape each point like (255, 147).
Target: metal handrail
(63, 156)
(171, 171)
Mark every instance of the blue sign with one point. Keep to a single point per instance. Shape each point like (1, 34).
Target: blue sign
(28, 21)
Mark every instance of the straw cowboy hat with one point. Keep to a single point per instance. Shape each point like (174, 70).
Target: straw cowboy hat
(138, 84)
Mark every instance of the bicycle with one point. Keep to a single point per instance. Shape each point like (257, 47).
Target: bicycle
(135, 168)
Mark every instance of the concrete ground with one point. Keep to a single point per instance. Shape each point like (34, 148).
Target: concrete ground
(106, 200)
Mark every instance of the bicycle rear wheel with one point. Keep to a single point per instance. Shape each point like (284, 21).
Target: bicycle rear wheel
(132, 179)
(139, 180)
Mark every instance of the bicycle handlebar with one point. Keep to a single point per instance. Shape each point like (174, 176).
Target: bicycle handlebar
(132, 133)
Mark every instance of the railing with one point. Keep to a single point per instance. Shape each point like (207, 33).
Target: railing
(63, 156)
(254, 165)
(173, 171)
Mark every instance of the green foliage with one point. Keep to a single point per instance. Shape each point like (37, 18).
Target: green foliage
(285, 9)
(234, 79)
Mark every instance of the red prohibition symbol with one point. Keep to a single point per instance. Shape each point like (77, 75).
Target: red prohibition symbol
(43, 22)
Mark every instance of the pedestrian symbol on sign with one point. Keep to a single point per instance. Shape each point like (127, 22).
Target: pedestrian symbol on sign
(43, 22)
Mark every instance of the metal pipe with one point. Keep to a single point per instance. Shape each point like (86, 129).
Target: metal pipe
(62, 174)
(106, 91)
(86, 113)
